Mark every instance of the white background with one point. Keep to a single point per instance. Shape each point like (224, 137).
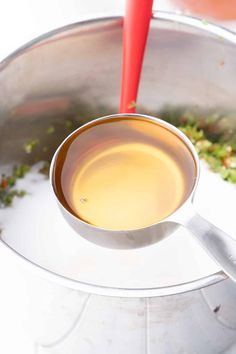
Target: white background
(21, 21)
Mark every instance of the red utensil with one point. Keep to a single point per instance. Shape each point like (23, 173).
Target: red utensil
(136, 27)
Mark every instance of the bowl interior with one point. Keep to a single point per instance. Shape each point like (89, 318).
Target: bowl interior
(72, 75)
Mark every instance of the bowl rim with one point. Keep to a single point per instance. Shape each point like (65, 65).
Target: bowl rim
(64, 281)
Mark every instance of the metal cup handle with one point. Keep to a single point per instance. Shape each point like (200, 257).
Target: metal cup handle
(220, 246)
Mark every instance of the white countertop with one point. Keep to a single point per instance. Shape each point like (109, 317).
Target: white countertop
(20, 21)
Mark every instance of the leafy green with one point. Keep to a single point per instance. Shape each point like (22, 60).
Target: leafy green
(132, 104)
(68, 124)
(30, 145)
(205, 22)
(213, 138)
(7, 184)
(50, 130)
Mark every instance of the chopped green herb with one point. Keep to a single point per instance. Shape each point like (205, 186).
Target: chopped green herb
(230, 162)
(8, 198)
(213, 136)
(132, 104)
(68, 123)
(50, 130)
(202, 146)
(7, 184)
(20, 171)
(30, 145)
(205, 22)
(193, 133)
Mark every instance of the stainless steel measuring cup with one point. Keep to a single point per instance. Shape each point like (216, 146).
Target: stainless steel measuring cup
(218, 244)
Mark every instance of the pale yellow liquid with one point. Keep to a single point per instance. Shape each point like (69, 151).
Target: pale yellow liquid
(127, 186)
(129, 181)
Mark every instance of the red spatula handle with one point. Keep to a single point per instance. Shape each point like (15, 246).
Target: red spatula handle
(136, 26)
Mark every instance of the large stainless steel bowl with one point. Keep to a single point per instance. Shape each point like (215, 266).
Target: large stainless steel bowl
(75, 71)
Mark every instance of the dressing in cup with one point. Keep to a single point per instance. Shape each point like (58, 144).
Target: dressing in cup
(127, 181)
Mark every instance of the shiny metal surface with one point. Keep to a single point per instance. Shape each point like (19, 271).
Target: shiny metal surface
(218, 243)
(127, 239)
(220, 246)
(68, 321)
(73, 71)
